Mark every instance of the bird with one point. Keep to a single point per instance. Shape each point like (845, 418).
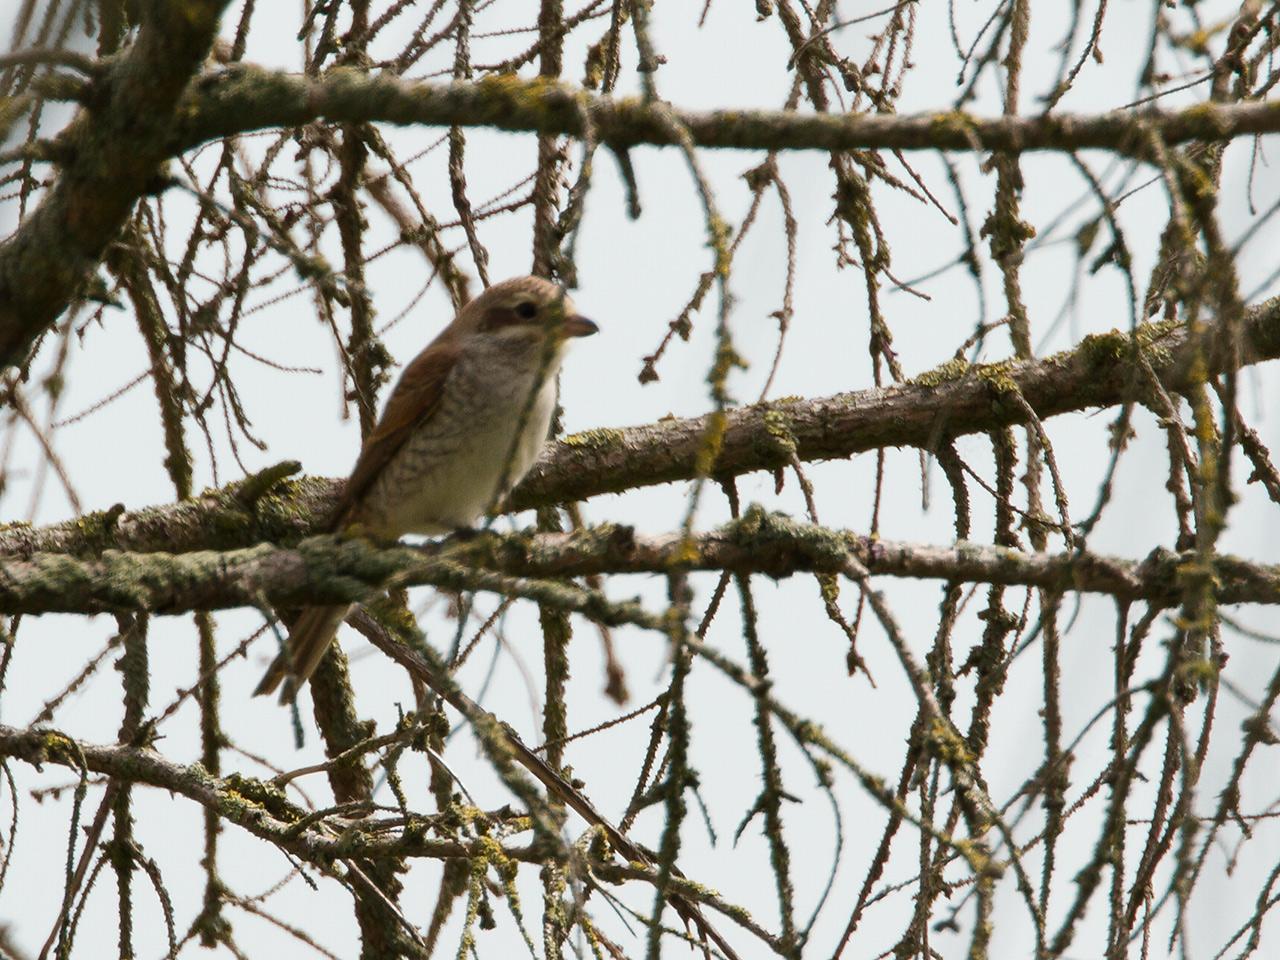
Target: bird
(461, 427)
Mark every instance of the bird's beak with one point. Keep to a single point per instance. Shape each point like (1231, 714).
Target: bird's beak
(576, 326)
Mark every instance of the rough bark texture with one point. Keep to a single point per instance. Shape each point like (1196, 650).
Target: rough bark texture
(111, 154)
(249, 98)
(327, 570)
(953, 400)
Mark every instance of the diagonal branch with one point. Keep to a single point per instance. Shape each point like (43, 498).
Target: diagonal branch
(954, 400)
(111, 153)
(260, 808)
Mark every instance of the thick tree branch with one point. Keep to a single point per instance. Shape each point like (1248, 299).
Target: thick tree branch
(326, 570)
(110, 155)
(246, 97)
(953, 400)
(111, 151)
(221, 519)
(322, 570)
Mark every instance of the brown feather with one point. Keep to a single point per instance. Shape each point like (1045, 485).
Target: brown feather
(415, 397)
(309, 638)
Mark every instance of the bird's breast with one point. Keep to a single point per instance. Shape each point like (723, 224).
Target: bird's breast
(481, 440)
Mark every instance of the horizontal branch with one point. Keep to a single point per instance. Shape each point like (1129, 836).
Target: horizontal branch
(322, 570)
(215, 520)
(144, 110)
(954, 400)
(328, 570)
(245, 97)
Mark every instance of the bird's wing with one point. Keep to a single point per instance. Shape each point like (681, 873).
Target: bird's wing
(414, 398)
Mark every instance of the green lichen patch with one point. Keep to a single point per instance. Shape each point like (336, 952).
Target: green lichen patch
(779, 438)
(946, 372)
(1116, 346)
(712, 439)
(61, 749)
(599, 438)
(998, 376)
(98, 529)
(253, 792)
(771, 534)
(947, 745)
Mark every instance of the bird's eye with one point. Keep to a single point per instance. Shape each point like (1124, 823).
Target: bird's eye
(526, 310)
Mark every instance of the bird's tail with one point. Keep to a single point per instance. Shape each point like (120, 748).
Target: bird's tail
(309, 637)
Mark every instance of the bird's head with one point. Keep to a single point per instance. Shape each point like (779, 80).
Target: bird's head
(523, 313)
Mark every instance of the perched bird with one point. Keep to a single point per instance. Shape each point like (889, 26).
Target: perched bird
(461, 428)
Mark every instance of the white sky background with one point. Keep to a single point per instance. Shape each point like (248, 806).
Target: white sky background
(635, 276)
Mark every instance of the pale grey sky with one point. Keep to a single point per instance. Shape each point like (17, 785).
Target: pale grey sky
(634, 278)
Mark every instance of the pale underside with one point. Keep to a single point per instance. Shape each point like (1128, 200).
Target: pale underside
(447, 474)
